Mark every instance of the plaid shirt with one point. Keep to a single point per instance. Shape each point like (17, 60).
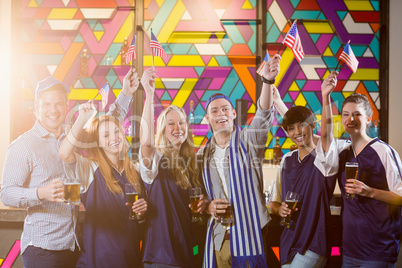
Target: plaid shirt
(33, 161)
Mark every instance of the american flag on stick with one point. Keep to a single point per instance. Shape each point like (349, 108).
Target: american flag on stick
(266, 59)
(131, 51)
(104, 91)
(156, 46)
(292, 40)
(349, 58)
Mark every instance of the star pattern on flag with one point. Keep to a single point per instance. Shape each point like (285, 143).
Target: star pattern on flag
(156, 46)
(292, 40)
(348, 57)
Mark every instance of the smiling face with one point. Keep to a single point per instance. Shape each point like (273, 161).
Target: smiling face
(52, 107)
(301, 134)
(111, 139)
(221, 116)
(354, 118)
(176, 128)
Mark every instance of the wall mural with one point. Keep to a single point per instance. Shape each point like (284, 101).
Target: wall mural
(211, 47)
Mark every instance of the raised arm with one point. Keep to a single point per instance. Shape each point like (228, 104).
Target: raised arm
(326, 122)
(66, 151)
(120, 107)
(270, 71)
(147, 132)
(278, 102)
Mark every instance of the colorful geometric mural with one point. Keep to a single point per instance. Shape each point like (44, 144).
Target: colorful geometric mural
(211, 47)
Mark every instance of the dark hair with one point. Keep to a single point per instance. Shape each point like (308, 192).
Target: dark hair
(359, 99)
(297, 114)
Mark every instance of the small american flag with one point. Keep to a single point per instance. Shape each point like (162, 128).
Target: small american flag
(104, 91)
(349, 58)
(131, 51)
(156, 47)
(292, 40)
(266, 59)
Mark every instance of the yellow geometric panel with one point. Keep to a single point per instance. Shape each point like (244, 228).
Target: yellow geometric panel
(247, 5)
(366, 74)
(171, 22)
(87, 94)
(337, 125)
(300, 100)
(251, 110)
(186, 60)
(213, 62)
(360, 5)
(326, 74)
(294, 87)
(269, 154)
(318, 27)
(160, 2)
(347, 94)
(32, 3)
(287, 58)
(328, 52)
(157, 60)
(62, 13)
(158, 83)
(98, 34)
(193, 37)
(288, 142)
(125, 30)
(270, 137)
(184, 92)
(198, 140)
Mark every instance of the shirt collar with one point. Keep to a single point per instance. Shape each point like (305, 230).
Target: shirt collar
(42, 132)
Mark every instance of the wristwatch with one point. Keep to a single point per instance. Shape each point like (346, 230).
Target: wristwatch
(266, 81)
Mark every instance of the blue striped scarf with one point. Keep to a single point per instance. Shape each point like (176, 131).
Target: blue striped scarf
(246, 244)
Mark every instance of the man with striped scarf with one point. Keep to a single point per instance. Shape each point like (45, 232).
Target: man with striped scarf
(232, 170)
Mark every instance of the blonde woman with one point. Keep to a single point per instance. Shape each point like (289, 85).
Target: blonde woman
(110, 239)
(168, 169)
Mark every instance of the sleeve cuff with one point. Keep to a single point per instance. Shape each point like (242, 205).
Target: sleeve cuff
(124, 101)
(262, 112)
(149, 175)
(32, 197)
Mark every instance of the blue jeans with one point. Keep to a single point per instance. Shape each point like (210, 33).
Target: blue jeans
(352, 262)
(34, 257)
(308, 260)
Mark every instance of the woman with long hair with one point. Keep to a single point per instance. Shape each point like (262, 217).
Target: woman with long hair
(110, 239)
(168, 169)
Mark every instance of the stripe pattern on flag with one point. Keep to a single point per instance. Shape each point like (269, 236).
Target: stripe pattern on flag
(104, 91)
(266, 59)
(131, 51)
(349, 58)
(156, 46)
(292, 40)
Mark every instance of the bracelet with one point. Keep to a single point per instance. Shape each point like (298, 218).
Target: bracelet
(266, 81)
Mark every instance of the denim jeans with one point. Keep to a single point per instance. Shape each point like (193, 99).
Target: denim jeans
(308, 260)
(352, 262)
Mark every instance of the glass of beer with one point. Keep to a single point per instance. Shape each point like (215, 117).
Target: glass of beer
(351, 169)
(132, 197)
(195, 198)
(226, 218)
(71, 194)
(291, 200)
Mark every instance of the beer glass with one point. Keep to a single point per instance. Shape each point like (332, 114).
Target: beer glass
(132, 197)
(291, 200)
(226, 218)
(71, 194)
(351, 169)
(195, 198)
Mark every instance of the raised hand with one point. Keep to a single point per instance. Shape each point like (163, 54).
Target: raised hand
(271, 68)
(130, 82)
(148, 80)
(329, 83)
(86, 111)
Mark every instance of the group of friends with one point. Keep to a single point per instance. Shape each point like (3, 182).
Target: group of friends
(228, 167)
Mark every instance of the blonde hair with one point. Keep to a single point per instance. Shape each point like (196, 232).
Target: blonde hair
(182, 165)
(97, 154)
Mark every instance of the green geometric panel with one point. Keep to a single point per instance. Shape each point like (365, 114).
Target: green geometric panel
(371, 86)
(162, 15)
(334, 45)
(233, 32)
(287, 98)
(98, 27)
(92, 23)
(358, 50)
(193, 51)
(238, 92)
(375, 4)
(87, 82)
(321, 16)
(300, 83)
(295, 3)
(313, 102)
(338, 98)
(331, 62)
(270, 21)
(166, 96)
(307, 15)
(180, 48)
(117, 85)
(273, 34)
(226, 44)
(223, 61)
(375, 48)
(342, 14)
(79, 39)
(315, 37)
(113, 51)
(226, 88)
(197, 111)
(38, 23)
(199, 70)
(252, 42)
(111, 76)
(253, 3)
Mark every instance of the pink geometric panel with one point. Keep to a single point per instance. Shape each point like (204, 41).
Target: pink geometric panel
(159, 92)
(323, 42)
(206, 59)
(199, 93)
(294, 94)
(65, 42)
(177, 72)
(301, 75)
(52, 3)
(312, 85)
(245, 30)
(320, 71)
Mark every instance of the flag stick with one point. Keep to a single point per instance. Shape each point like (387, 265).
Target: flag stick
(340, 60)
(96, 96)
(279, 49)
